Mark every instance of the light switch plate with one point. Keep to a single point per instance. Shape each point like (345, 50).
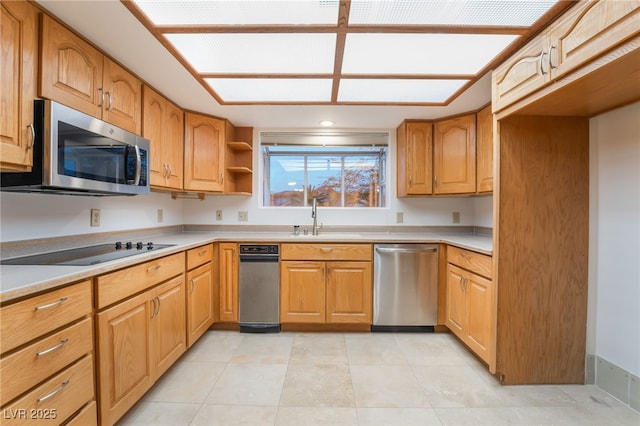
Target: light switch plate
(160, 215)
(218, 214)
(243, 216)
(399, 217)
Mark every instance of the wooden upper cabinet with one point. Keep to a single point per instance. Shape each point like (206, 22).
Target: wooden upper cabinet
(414, 158)
(71, 69)
(454, 155)
(18, 82)
(204, 139)
(588, 30)
(163, 125)
(521, 74)
(484, 150)
(122, 104)
(76, 74)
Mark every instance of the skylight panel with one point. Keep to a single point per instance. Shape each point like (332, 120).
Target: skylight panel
(457, 54)
(241, 12)
(397, 90)
(257, 53)
(272, 89)
(506, 13)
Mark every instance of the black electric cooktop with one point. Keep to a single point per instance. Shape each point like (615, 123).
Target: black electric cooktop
(86, 256)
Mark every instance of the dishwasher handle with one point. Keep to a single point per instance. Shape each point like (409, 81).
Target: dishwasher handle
(405, 250)
(259, 259)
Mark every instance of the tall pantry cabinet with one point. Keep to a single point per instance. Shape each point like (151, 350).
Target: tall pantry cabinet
(541, 194)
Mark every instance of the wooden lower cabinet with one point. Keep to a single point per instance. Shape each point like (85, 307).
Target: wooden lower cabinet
(46, 365)
(138, 339)
(228, 297)
(57, 399)
(326, 292)
(349, 295)
(302, 292)
(470, 302)
(200, 314)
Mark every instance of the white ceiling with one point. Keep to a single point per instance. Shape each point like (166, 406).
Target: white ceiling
(110, 26)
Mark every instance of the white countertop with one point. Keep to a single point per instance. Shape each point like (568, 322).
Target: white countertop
(20, 280)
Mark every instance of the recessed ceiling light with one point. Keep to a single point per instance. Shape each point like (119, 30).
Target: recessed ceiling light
(326, 123)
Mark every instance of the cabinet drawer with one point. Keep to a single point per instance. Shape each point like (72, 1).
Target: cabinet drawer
(34, 317)
(325, 252)
(88, 416)
(56, 399)
(31, 365)
(126, 282)
(199, 255)
(475, 262)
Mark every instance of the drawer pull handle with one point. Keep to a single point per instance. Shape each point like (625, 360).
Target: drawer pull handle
(153, 268)
(52, 305)
(33, 136)
(56, 347)
(55, 392)
(465, 255)
(203, 252)
(193, 286)
(326, 249)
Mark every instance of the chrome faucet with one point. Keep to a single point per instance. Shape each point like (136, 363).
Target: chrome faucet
(314, 215)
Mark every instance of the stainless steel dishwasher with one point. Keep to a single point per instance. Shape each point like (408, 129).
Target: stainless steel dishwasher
(405, 287)
(259, 291)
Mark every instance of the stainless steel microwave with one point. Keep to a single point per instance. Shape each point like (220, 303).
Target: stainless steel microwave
(77, 154)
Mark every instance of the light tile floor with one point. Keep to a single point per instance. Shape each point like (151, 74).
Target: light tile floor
(230, 378)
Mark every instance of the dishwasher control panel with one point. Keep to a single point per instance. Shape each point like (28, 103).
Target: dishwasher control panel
(258, 249)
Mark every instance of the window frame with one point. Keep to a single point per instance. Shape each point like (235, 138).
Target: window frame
(379, 149)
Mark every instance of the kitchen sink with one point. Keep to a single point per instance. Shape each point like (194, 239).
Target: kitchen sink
(87, 256)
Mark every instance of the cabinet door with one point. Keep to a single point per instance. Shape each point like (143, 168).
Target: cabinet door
(199, 302)
(415, 158)
(454, 156)
(302, 292)
(456, 305)
(479, 295)
(71, 69)
(203, 153)
(523, 73)
(349, 292)
(228, 282)
(125, 357)
(122, 104)
(18, 81)
(169, 324)
(153, 128)
(163, 125)
(484, 172)
(174, 145)
(590, 29)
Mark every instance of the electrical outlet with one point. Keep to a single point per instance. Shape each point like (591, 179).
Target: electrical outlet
(399, 217)
(455, 217)
(243, 216)
(95, 217)
(160, 215)
(218, 214)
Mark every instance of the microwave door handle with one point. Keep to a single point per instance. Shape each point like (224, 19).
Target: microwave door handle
(138, 165)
